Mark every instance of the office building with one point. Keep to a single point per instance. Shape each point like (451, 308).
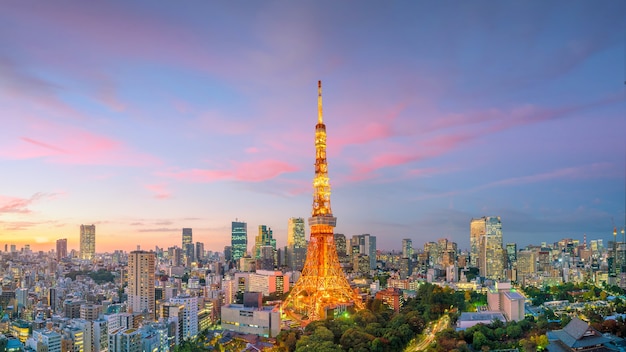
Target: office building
(511, 253)
(199, 251)
(47, 340)
(239, 240)
(407, 248)
(494, 254)
(61, 248)
(87, 242)
(366, 244)
(486, 247)
(264, 238)
(342, 251)
(268, 282)
(141, 266)
(477, 232)
(187, 245)
(251, 317)
(296, 243)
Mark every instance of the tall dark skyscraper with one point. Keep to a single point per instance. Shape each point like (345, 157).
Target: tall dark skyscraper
(188, 247)
(61, 248)
(87, 241)
(239, 240)
(199, 251)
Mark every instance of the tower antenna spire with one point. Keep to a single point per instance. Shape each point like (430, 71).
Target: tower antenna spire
(320, 118)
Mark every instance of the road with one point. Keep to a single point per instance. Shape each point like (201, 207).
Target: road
(421, 342)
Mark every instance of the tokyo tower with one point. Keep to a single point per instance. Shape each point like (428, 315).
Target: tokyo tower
(322, 284)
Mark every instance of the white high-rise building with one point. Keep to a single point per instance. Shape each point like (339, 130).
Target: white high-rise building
(48, 338)
(190, 315)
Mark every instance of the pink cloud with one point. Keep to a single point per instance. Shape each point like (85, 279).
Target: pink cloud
(160, 190)
(70, 145)
(22, 205)
(253, 171)
(381, 152)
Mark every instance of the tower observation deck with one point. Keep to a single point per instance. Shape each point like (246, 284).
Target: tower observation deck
(322, 285)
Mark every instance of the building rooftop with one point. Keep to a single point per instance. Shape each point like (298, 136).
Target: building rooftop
(241, 307)
(514, 295)
(481, 316)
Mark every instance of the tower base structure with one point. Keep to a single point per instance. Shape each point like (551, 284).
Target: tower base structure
(323, 286)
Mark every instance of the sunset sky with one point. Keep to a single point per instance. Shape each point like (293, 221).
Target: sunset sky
(145, 117)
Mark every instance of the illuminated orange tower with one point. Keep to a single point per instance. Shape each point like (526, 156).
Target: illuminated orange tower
(322, 284)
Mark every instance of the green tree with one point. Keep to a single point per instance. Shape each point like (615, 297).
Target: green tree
(513, 331)
(355, 340)
(479, 340)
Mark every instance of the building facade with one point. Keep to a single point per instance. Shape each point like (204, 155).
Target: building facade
(296, 243)
(87, 242)
(141, 277)
(61, 248)
(239, 240)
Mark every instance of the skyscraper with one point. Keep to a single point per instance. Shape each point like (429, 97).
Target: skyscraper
(492, 253)
(296, 243)
(239, 240)
(199, 251)
(477, 232)
(367, 246)
(61, 248)
(141, 267)
(87, 241)
(511, 253)
(187, 246)
(322, 284)
(342, 251)
(265, 237)
(407, 248)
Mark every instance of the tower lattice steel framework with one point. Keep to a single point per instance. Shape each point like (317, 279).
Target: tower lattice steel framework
(322, 284)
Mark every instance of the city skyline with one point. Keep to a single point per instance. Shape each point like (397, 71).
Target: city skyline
(147, 119)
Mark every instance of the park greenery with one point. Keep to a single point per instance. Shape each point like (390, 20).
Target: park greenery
(101, 276)
(377, 328)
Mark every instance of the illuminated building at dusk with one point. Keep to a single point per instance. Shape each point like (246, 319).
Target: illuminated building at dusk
(486, 248)
(322, 285)
(477, 231)
(187, 245)
(407, 248)
(61, 248)
(87, 241)
(239, 240)
(265, 237)
(296, 243)
(141, 266)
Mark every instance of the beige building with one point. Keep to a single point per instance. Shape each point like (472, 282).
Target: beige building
(141, 266)
(503, 298)
(87, 241)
